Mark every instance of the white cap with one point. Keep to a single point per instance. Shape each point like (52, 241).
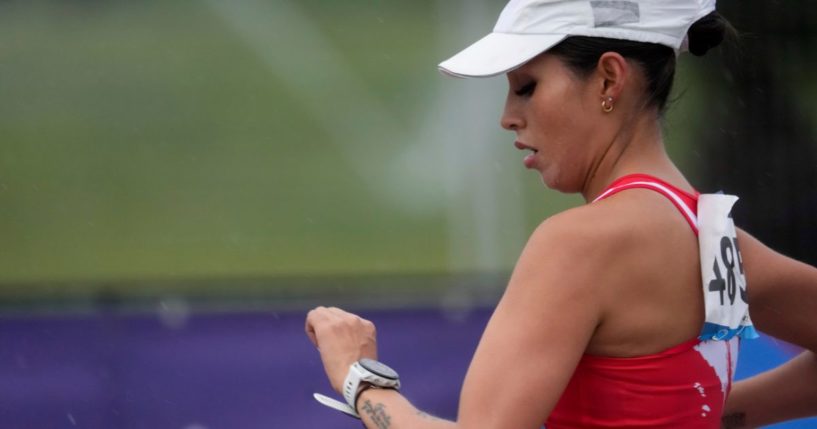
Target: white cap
(526, 28)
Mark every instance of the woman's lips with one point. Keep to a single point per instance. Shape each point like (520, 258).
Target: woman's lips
(530, 159)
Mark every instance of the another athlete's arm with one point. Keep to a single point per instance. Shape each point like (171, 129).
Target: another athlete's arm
(782, 303)
(528, 352)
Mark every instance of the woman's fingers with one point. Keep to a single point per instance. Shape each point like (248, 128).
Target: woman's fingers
(309, 328)
(336, 320)
(317, 319)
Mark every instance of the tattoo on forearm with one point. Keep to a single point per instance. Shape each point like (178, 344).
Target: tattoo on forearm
(377, 414)
(734, 421)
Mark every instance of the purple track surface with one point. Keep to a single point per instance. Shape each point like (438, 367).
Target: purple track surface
(241, 370)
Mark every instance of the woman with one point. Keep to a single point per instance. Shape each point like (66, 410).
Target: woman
(605, 321)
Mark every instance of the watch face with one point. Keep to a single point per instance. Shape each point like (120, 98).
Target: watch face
(378, 368)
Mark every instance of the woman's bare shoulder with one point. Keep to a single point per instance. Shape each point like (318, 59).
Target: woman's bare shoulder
(592, 236)
(616, 221)
(636, 232)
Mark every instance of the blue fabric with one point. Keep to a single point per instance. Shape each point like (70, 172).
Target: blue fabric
(713, 331)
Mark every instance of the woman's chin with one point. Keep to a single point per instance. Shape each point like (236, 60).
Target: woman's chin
(552, 181)
(549, 179)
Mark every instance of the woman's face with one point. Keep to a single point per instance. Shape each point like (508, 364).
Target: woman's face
(553, 112)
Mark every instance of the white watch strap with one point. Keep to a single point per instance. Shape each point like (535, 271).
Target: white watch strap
(352, 383)
(335, 404)
(351, 386)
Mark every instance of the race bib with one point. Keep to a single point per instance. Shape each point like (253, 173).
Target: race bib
(724, 282)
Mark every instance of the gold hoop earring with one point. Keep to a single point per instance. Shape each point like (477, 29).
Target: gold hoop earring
(607, 105)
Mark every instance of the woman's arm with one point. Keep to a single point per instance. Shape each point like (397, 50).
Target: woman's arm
(783, 303)
(342, 338)
(784, 393)
(527, 354)
(388, 409)
(540, 329)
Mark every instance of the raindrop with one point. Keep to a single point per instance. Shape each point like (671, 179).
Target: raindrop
(173, 312)
(71, 419)
(456, 304)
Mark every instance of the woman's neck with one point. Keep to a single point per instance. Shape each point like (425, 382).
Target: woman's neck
(634, 149)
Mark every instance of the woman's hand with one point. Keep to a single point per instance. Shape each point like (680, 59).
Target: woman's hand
(342, 339)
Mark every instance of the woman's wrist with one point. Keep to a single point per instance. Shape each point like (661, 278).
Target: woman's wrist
(363, 388)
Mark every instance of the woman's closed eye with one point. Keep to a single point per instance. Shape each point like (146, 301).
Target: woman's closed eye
(526, 90)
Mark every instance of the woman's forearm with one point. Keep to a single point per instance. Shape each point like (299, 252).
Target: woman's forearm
(388, 409)
(784, 393)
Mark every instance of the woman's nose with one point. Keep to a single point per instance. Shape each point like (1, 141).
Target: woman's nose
(510, 119)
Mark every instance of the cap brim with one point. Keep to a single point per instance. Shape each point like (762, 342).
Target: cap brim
(498, 53)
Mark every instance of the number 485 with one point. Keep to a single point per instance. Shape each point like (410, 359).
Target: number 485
(730, 254)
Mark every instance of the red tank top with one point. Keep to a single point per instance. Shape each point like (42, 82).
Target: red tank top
(682, 387)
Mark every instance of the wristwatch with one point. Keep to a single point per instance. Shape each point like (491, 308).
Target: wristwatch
(368, 371)
(361, 373)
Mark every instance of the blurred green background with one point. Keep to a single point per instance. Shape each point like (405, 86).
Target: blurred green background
(264, 149)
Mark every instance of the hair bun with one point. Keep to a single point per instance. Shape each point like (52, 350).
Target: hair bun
(707, 33)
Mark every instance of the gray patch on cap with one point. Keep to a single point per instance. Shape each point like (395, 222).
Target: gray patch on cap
(613, 13)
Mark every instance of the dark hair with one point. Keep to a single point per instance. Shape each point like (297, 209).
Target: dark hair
(582, 54)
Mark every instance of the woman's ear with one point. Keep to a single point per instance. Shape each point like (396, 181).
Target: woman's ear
(613, 72)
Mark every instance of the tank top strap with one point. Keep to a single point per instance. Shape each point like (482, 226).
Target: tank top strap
(685, 202)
